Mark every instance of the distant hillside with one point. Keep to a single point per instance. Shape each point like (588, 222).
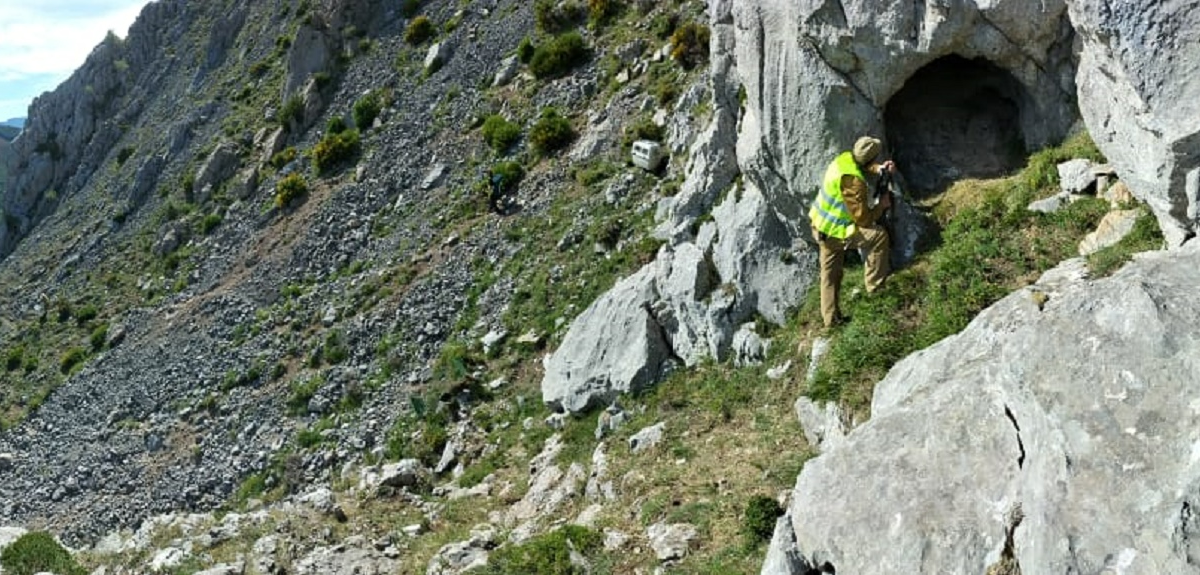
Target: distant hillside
(7, 132)
(14, 122)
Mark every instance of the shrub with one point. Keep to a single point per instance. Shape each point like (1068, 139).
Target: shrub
(209, 223)
(689, 44)
(409, 7)
(301, 392)
(507, 175)
(547, 553)
(335, 125)
(420, 436)
(38, 552)
(99, 337)
(499, 133)
(86, 313)
(419, 30)
(334, 149)
(284, 157)
(558, 56)
(72, 358)
(124, 155)
(551, 133)
(290, 188)
(335, 350)
(367, 108)
(14, 359)
(758, 522)
(292, 111)
(601, 11)
(552, 17)
(525, 50)
(663, 25)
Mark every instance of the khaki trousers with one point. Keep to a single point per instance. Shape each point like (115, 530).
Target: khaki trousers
(833, 256)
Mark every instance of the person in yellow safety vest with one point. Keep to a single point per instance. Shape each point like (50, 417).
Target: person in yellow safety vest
(843, 219)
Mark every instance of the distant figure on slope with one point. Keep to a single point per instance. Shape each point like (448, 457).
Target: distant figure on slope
(842, 218)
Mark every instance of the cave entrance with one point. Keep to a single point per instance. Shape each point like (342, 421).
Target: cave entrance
(956, 118)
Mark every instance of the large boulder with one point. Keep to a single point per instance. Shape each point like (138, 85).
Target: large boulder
(1139, 96)
(1073, 414)
(614, 346)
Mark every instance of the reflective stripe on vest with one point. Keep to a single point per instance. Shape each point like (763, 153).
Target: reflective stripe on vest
(829, 213)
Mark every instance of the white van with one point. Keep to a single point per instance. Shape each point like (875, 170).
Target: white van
(647, 154)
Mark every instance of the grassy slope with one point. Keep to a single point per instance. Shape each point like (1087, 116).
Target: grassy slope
(731, 433)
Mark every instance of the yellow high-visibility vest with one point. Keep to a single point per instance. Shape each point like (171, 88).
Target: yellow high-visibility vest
(829, 213)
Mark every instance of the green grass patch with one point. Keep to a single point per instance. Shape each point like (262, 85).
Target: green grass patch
(38, 552)
(1146, 236)
(990, 246)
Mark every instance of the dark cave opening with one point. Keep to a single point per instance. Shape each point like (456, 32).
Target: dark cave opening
(953, 119)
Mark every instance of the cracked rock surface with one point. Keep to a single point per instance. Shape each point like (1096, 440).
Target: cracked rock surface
(1074, 412)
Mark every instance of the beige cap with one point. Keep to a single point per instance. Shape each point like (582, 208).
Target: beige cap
(865, 150)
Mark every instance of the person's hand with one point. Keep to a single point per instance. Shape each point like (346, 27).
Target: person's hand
(888, 166)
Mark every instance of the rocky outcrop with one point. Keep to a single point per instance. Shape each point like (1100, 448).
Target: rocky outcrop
(71, 130)
(1141, 108)
(817, 75)
(1070, 412)
(710, 278)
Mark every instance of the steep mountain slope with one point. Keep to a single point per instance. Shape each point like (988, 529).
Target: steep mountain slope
(170, 327)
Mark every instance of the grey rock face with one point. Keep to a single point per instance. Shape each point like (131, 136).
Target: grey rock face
(818, 75)
(1072, 412)
(614, 346)
(1141, 108)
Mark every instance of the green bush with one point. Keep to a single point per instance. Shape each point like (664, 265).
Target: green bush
(600, 12)
(758, 522)
(419, 30)
(335, 125)
(38, 552)
(70, 359)
(124, 155)
(86, 313)
(290, 188)
(552, 17)
(99, 337)
(335, 350)
(301, 392)
(209, 223)
(546, 553)
(15, 358)
(334, 149)
(408, 8)
(525, 50)
(367, 108)
(509, 174)
(689, 44)
(421, 435)
(499, 133)
(284, 157)
(557, 56)
(551, 133)
(292, 112)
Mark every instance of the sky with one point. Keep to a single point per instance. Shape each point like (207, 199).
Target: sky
(43, 41)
